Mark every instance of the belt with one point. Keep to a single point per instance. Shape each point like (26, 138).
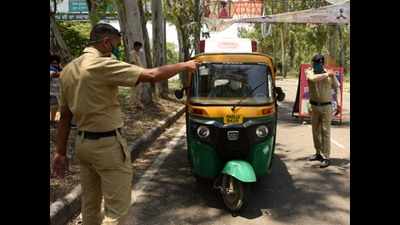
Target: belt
(320, 103)
(97, 135)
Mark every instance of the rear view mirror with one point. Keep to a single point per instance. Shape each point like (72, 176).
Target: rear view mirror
(280, 95)
(179, 94)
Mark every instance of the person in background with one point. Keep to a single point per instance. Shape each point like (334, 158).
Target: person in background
(55, 69)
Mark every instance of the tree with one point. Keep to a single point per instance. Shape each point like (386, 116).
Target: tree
(130, 20)
(92, 7)
(181, 14)
(159, 44)
(301, 41)
(57, 43)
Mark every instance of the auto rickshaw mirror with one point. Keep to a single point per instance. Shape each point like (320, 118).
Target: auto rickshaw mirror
(280, 94)
(179, 94)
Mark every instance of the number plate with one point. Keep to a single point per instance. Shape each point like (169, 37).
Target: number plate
(233, 119)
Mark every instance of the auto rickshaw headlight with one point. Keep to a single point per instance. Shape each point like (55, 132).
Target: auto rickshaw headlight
(262, 131)
(203, 131)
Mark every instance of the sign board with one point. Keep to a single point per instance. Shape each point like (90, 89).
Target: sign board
(228, 45)
(78, 6)
(302, 106)
(332, 14)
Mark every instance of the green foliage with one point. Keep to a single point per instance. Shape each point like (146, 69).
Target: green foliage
(75, 34)
(301, 41)
(182, 14)
(172, 54)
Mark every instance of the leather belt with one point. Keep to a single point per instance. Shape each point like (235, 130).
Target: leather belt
(320, 103)
(98, 135)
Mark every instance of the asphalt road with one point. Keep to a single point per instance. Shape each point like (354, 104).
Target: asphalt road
(296, 192)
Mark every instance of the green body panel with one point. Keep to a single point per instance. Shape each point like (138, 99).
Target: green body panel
(260, 157)
(240, 170)
(206, 162)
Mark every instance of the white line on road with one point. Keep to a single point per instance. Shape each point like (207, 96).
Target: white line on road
(285, 105)
(337, 144)
(154, 168)
(333, 141)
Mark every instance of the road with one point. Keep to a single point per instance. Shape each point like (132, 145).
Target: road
(297, 191)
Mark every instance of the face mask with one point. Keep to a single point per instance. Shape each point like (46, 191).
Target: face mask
(318, 68)
(115, 51)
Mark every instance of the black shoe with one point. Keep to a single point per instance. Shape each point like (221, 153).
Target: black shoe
(316, 157)
(325, 163)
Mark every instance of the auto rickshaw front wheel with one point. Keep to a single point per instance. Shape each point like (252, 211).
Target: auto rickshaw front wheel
(233, 193)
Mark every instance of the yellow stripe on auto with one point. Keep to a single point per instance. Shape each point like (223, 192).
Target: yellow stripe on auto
(221, 111)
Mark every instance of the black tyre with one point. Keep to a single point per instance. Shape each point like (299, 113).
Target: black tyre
(235, 200)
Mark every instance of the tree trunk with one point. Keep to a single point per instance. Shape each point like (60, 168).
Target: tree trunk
(197, 17)
(159, 44)
(283, 38)
(148, 88)
(283, 52)
(183, 53)
(146, 38)
(332, 41)
(92, 7)
(273, 33)
(57, 43)
(341, 46)
(130, 22)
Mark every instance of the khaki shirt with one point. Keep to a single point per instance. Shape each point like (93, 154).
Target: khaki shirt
(135, 58)
(321, 90)
(89, 88)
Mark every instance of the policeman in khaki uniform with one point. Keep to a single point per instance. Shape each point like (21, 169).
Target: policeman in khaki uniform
(89, 91)
(320, 84)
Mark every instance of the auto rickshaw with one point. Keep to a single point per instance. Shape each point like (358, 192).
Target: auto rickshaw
(231, 119)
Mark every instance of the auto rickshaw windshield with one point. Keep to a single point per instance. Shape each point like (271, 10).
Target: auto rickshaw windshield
(224, 84)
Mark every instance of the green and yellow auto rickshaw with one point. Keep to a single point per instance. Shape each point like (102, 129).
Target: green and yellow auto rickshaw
(231, 121)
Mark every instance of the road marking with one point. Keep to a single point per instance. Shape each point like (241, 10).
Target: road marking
(332, 140)
(337, 144)
(285, 105)
(154, 168)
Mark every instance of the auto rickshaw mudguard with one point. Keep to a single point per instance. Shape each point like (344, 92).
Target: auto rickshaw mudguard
(240, 170)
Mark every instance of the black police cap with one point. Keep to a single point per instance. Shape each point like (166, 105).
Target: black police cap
(318, 58)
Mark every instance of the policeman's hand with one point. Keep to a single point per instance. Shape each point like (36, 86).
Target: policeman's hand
(191, 65)
(59, 165)
(337, 110)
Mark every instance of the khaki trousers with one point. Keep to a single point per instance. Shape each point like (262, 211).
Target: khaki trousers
(321, 129)
(106, 172)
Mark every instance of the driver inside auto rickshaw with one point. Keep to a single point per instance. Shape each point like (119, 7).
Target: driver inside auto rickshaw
(229, 88)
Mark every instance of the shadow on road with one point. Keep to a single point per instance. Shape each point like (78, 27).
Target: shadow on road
(174, 195)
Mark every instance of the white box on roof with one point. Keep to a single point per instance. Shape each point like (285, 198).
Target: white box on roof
(228, 45)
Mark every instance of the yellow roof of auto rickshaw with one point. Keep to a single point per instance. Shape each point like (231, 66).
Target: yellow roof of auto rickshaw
(235, 57)
(253, 57)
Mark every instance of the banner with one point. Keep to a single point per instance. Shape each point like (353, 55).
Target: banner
(302, 106)
(232, 9)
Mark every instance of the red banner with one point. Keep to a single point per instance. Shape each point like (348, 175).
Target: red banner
(232, 9)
